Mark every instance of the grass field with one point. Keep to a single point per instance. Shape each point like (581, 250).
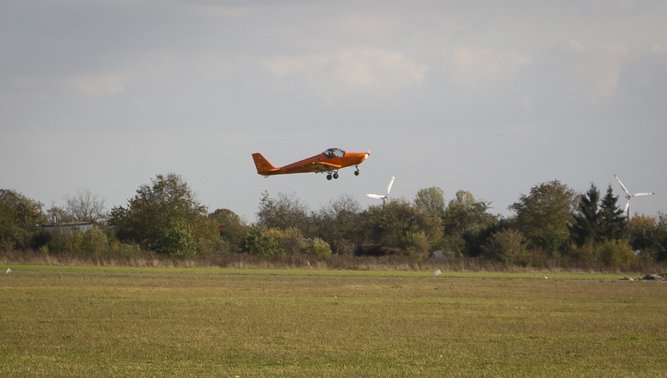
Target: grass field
(97, 321)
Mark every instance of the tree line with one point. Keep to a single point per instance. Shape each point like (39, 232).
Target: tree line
(552, 224)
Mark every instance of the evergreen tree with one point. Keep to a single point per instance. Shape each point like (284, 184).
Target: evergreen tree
(612, 220)
(586, 226)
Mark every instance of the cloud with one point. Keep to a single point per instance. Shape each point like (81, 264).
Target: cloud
(475, 67)
(364, 25)
(600, 65)
(350, 70)
(100, 85)
(659, 49)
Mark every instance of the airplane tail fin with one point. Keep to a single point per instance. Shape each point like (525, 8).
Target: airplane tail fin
(263, 165)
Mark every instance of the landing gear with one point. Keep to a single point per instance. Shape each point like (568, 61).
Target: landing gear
(356, 173)
(333, 175)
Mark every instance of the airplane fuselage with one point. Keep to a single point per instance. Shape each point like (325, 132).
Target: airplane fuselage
(329, 161)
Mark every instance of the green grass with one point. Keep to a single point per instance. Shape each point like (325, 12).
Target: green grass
(311, 272)
(114, 321)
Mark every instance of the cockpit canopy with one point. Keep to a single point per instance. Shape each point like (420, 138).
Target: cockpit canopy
(334, 153)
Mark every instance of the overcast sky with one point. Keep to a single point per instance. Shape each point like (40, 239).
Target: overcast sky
(492, 97)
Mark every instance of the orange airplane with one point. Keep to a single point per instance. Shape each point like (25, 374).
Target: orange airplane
(329, 161)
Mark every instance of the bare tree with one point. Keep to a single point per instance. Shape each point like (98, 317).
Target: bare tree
(57, 215)
(84, 206)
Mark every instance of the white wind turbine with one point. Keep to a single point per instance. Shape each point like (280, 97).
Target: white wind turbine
(384, 197)
(629, 196)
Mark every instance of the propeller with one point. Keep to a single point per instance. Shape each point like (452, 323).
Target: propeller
(629, 196)
(384, 197)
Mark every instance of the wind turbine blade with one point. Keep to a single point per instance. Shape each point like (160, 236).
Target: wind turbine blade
(391, 183)
(627, 206)
(622, 186)
(643, 194)
(376, 196)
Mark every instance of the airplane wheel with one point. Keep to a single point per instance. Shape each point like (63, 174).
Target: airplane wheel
(328, 177)
(356, 173)
(335, 175)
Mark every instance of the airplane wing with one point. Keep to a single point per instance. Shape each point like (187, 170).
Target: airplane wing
(323, 166)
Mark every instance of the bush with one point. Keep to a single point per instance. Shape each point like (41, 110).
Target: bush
(290, 240)
(61, 242)
(616, 253)
(318, 247)
(179, 239)
(585, 254)
(119, 249)
(95, 242)
(509, 247)
(416, 243)
(343, 247)
(260, 242)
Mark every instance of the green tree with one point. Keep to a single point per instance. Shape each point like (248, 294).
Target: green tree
(231, 227)
(430, 205)
(399, 224)
(649, 236)
(283, 213)
(164, 217)
(388, 224)
(431, 200)
(340, 224)
(544, 216)
(660, 244)
(20, 219)
(612, 219)
(467, 224)
(641, 232)
(586, 226)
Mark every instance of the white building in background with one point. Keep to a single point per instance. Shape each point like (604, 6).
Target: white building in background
(68, 228)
